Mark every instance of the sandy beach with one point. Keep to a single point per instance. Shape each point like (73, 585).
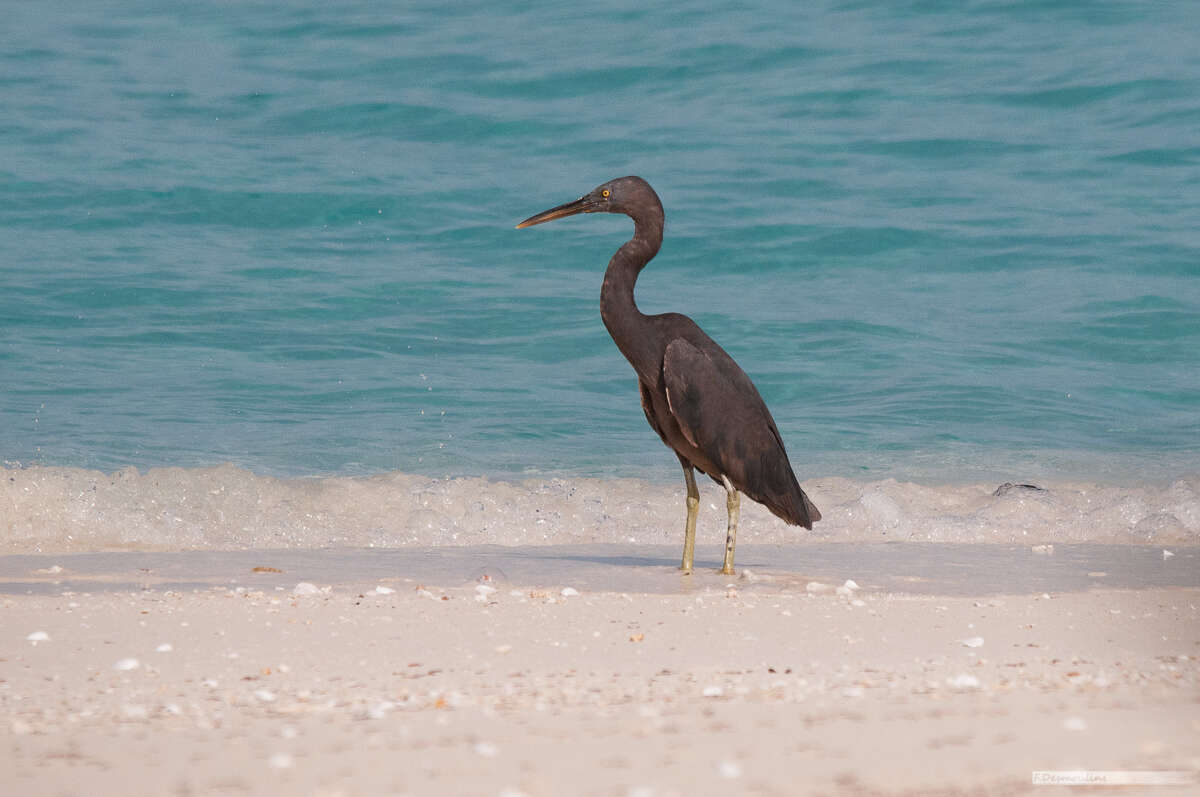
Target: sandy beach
(323, 474)
(461, 671)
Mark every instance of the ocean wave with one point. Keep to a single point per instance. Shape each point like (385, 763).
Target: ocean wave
(52, 509)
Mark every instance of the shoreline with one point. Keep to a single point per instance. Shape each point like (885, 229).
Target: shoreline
(891, 568)
(359, 637)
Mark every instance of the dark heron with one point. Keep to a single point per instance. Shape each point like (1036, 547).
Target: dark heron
(694, 395)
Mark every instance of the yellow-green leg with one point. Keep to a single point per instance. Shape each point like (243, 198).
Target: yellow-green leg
(733, 504)
(693, 506)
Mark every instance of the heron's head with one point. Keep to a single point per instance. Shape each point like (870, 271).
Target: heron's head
(632, 196)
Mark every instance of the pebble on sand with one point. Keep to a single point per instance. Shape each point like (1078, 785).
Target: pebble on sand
(380, 710)
(38, 636)
(963, 681)
(125, 665)
(280, 761)
(973, 642)
(730, 769)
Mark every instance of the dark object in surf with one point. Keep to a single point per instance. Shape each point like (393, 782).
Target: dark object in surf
(1008, 487)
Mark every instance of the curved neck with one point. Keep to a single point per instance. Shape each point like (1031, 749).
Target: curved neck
(627, 325)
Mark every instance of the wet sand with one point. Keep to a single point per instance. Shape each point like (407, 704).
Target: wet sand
(904, 567)
(943, 669)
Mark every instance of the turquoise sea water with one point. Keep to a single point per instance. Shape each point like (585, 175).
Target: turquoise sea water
(943, 238)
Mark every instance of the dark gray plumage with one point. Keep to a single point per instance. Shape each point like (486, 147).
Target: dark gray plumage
(698, 400)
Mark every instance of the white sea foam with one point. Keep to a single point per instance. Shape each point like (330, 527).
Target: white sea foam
(49, 509)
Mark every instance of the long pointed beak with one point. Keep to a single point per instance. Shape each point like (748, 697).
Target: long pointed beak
(569, 209)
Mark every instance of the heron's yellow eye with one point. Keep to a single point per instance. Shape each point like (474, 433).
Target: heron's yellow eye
(605, 193)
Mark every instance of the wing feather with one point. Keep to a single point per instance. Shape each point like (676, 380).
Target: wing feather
(720, 412)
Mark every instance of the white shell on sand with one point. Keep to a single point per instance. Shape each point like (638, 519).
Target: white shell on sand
(281, 761)
(729, 769)
(963, 681)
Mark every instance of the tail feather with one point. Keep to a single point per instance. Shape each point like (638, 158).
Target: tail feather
(810, 510)
(795, 509)
(786, 500)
